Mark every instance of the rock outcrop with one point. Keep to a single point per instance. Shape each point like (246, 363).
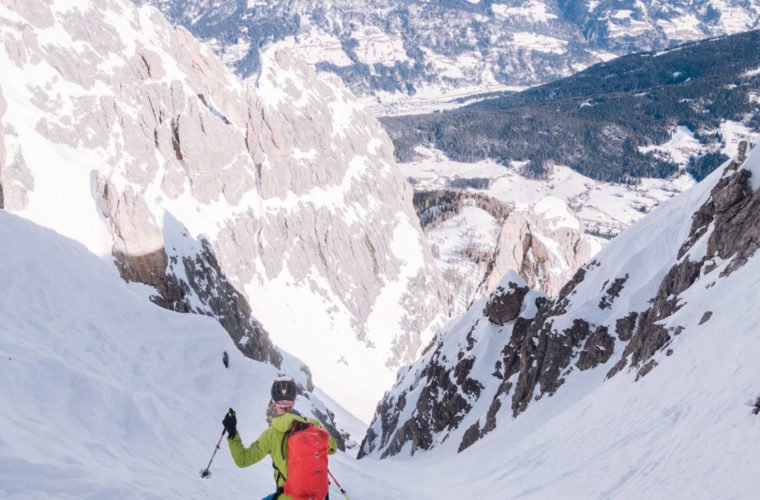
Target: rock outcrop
(545, 250)
(621, 310)
(284, 191)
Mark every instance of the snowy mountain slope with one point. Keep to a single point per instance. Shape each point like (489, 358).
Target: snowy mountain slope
(587, 214)
(391, 47)
(477, 238)
(280, 202)
(627, 311)
(101, 388)
(683, 431)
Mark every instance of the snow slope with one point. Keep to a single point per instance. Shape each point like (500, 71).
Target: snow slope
(104, 394)
(665, 412)
(108, 396)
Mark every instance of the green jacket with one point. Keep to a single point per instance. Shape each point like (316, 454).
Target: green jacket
(270, 443)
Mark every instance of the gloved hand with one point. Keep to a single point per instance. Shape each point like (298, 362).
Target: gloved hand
(230, 424)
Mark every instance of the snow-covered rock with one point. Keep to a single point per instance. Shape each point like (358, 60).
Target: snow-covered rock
(476, 239)
(626, 311)
(545, 245)
(387, 48)
(131, 137)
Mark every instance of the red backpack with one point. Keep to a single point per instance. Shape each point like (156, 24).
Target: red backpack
(307, 462)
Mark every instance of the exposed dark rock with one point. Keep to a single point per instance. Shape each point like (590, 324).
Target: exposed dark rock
(543, 356)
(367, 445)
(471, 435)
(650, 336)
(705, 317)
(440, 406)
(504, 304)
(414, 431)
(597, 349)
(388, 413)
(622, 362)
(578, 277)
(624, 327)
(700, 222)
(491, 415)
(175, 140)
(328, 420)
(742, 153)
(646, 368)
(206, 281)
(470, 386)
(756, 409)
(613, 292)
(737, 223)
(733, 211)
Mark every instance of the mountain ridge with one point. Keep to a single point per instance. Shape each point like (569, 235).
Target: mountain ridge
(618, 312)
(394, 47)
(230, 199)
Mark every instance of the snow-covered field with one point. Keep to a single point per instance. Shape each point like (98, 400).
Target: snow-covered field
(429, 99)
(605, 208)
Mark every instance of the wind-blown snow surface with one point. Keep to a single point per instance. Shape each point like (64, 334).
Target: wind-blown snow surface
(106, 395)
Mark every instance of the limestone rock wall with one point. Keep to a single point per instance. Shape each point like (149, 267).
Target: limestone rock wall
(545, 256)
(130, 136)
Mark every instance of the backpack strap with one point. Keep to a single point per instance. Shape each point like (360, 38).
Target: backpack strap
(279, 475)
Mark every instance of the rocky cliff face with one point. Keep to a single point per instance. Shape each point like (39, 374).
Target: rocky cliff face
(476, 239)
(545, 248)
(280, 200)
(620, 313)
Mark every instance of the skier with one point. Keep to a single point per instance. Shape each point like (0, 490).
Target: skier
(274, 440)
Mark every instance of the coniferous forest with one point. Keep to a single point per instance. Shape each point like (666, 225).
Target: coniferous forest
(596, 121)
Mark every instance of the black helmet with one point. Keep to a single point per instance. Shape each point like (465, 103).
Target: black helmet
(284, 391)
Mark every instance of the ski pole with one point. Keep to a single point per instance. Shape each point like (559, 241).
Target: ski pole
(205, 472)
(338, 484)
